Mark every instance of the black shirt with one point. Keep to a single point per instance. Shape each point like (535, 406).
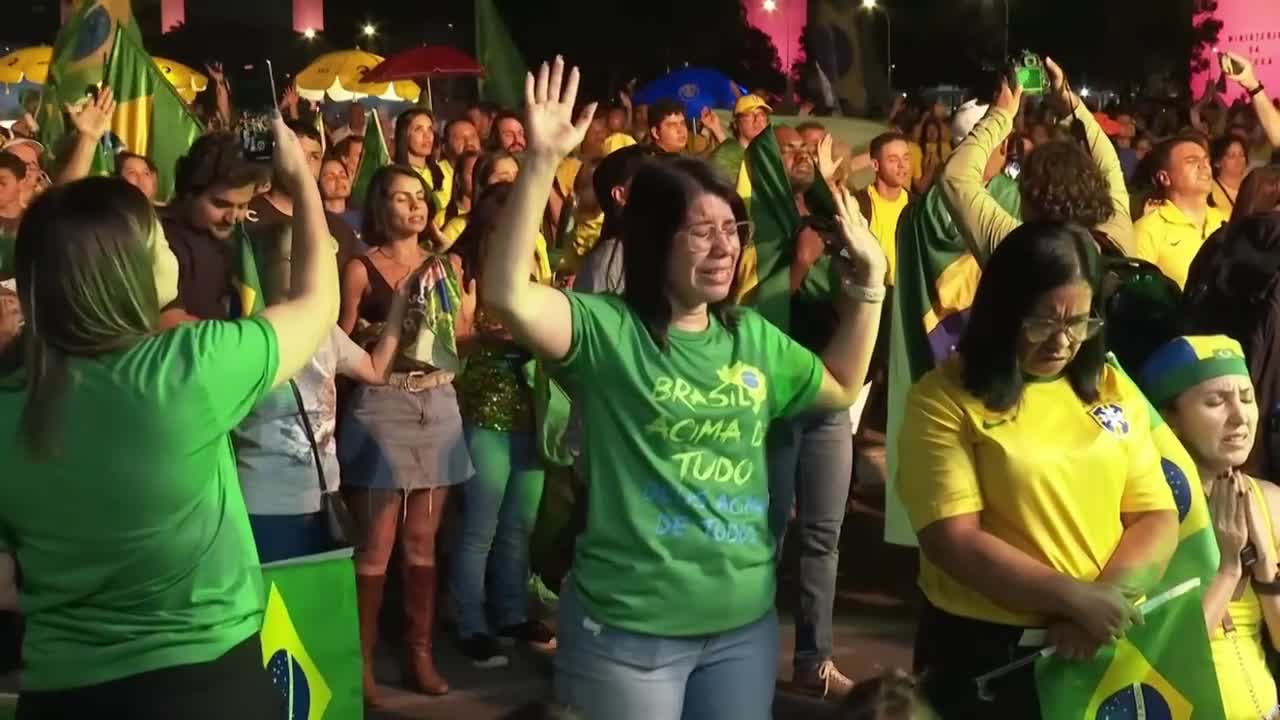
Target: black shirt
(267, 218)
(204, 267)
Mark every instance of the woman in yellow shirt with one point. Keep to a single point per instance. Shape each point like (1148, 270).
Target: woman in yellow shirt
(1203, 388)
(415, 145)
(1029, 474)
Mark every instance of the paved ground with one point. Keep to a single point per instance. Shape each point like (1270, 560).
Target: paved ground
(874, 610)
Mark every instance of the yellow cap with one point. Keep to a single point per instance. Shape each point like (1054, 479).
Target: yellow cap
(747, 103)
(617, 141)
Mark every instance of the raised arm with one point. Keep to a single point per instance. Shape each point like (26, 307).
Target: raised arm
(1120, 226)
(91, 119)
(982, 221)
(537, 316)
(1268, 115)
(304, 320)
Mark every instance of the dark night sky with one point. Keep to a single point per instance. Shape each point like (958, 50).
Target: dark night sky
(1102, 42)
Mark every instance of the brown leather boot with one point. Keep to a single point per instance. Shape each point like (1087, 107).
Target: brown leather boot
(420, 615)
(369, 601)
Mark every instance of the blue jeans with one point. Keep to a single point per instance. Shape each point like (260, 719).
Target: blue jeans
(604, 672)
(500, 507)
(281, 537)
(811, 462)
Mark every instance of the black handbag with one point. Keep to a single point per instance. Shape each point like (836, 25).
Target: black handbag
(337, 517)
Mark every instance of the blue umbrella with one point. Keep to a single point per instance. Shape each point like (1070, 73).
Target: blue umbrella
(697, 88)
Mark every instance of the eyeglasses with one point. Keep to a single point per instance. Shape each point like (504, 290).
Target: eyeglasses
(1078, 330)
(701, 234)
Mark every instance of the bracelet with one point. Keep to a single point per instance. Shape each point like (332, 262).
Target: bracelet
(862, 294)
(1254, 92)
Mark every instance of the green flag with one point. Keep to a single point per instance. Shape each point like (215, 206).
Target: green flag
(504, 68)
(310, 636)
(374, 157)
(1162, 668)
(80, 53)
(936, 279)
(772, 208)
(151, 119)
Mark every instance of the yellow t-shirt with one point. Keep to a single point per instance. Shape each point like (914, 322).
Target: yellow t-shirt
(884, 225)
(1240, 662)
(1166, 238)
(453, 229)
(440, 196)
(1050, 477)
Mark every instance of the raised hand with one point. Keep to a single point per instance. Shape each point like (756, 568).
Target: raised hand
(1241, 71)
(1010, 99)
(549, 122)
(92, 115)
(290, 162)
(870, 265)
(828, 165)
(1058, 84)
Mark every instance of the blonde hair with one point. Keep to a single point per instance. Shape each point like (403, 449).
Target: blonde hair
(891, 696)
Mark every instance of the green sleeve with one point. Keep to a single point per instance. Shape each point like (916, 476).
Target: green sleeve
(981, 220)
(794, 372)
(222, 368)
(597, 323)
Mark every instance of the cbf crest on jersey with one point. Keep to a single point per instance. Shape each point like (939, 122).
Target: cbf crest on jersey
(1111, 418)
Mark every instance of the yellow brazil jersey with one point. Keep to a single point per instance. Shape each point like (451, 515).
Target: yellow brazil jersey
(884, 225)
(1170, 241)
(1240, 661)
(440, 196)
(1050, 476)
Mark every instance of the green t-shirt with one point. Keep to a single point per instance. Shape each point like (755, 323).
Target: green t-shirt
(133, 541)
(679, 493)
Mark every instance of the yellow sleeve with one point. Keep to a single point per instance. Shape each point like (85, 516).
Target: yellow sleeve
(981, 220)
(917, 160)
(443, 194)
(543, 273)
(453, 229)
(1145, 488)
(937, 473)
(1120, 227)
(1144, 240)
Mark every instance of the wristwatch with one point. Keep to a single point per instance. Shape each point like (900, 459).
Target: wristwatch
(1254, 92)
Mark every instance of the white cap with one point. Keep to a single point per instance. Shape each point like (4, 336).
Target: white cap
(965, 117)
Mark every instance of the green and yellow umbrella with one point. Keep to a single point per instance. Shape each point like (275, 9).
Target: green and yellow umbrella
(26, 65)
(340, 77)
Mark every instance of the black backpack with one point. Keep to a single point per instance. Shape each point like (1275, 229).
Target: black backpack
(1142, 309)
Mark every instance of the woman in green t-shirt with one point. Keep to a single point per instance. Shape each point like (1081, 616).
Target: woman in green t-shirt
(140, 586)
(669, 610)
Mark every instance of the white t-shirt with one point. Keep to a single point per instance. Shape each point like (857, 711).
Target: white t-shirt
(273, 455)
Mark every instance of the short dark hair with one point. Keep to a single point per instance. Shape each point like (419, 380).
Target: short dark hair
(664, 109)
(374, 225)
(343, 146)
(305, 130)
(1034, 259)
(661, 193)
(216, 160)
(488, 108)
(879, 141)
(1061, 183)
(14, 164)
(1218, 150)
(810, 125)
(124, 156)
(1162, 153)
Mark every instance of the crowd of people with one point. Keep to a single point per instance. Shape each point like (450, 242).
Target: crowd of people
(584, 297)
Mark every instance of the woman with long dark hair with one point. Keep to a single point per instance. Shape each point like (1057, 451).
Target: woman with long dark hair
(1229, 156)
(141, 588)
(415, 147)
(1030, 477)
(401, 446)
(671, 385)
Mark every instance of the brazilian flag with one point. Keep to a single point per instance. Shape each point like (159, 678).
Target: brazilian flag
(1163, 668)
(374, 158)
(310, 636)
(936, 281)
(248, 300)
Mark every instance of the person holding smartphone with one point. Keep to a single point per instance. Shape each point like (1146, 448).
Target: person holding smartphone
(141, 589)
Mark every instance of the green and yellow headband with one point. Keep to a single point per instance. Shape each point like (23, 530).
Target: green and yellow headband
(1187, 361)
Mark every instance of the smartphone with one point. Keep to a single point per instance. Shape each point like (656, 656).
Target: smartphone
(1029, 72)
(1229, 66)
(255, 92)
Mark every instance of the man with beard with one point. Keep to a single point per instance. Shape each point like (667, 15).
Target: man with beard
(811, 456)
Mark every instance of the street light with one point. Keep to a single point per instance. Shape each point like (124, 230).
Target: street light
(770, 5)
(872, 6)
(369, 30)
(309, 34)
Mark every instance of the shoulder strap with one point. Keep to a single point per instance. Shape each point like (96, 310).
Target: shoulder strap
(311, 436)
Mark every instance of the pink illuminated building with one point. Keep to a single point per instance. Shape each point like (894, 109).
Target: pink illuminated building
(302, 14)
(783, 21)
(1250, 28)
